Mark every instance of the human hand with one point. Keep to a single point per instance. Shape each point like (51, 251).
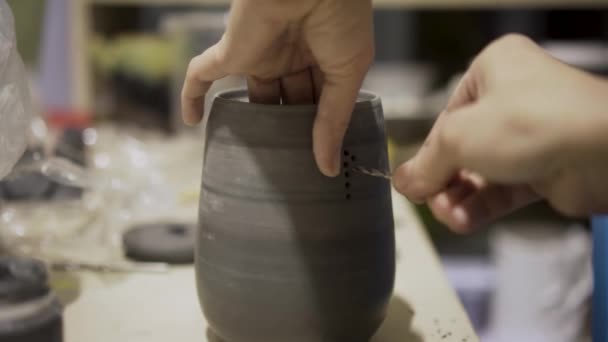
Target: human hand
(520, 126)
(295, 51)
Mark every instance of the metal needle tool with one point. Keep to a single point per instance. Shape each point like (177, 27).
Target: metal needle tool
(372, 172)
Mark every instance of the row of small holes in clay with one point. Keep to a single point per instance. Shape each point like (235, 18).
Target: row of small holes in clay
(346, 171)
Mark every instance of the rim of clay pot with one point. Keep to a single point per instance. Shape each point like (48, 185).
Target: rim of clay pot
(239, 97)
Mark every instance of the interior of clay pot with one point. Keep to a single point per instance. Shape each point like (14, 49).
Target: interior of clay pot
(240, 95)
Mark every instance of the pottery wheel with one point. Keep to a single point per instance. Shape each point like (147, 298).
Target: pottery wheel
(172, 243)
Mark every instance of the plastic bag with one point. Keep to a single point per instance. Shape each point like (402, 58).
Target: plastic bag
(15, 104)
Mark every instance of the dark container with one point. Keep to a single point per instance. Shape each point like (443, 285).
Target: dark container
(29, 310)
(284, 253)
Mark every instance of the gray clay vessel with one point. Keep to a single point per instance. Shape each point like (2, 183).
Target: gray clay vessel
(285, 254)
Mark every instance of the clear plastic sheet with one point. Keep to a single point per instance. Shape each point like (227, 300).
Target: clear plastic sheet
(132, 177)
(15, 103)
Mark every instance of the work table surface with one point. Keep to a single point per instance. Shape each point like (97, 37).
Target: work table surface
(164, 307)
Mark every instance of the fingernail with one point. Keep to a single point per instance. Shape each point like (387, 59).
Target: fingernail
(335, 166)
(189, 122)
(460, 216)
(188, 119)
(336, 162)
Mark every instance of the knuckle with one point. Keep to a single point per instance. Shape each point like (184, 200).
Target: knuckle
(505, 44)
(356, 66)
(192, 72)
(217, 54)
(222, 55)
(192, 66)
(514, 39)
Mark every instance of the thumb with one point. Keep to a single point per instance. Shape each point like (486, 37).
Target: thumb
(336, 104)
(445, 152)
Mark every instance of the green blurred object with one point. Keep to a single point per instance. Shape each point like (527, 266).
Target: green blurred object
(29, 17)
(149, 58)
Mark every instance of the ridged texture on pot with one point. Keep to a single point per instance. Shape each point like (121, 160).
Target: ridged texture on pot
(284, 253)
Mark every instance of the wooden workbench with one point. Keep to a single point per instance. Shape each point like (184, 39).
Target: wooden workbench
(164, 307)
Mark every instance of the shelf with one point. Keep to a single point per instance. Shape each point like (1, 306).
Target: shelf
(82, 11)
(404, 4)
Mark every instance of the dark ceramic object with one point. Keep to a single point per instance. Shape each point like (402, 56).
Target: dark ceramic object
(28, 185)
(284, 253)
(71, 146)
(172, 243)
(29, 310)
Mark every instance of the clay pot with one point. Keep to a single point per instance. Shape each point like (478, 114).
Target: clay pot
(284, 253)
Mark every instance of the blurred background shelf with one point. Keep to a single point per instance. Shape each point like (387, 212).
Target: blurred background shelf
(84, 12)
(385, 3)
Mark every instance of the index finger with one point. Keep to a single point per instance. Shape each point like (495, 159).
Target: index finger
(202, 71)
(336, 104)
